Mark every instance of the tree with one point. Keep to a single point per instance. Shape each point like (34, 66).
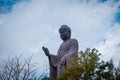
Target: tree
(17, 69)
(82, 66)
(88, 66)
(117, 72)
(105, 70)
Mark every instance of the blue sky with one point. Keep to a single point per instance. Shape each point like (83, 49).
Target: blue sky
(27, 25)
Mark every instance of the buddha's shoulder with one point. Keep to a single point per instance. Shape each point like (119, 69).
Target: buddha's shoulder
(73, 40)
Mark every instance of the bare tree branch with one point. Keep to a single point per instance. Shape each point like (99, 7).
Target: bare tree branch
(15, 69)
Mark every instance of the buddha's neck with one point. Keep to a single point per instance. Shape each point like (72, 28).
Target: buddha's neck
(66, 39)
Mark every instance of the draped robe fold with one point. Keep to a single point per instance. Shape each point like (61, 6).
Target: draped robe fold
(67, 50)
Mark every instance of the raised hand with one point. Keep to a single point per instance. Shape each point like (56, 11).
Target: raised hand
(46, 51)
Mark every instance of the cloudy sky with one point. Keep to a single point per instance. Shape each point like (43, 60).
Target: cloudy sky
(27, 25)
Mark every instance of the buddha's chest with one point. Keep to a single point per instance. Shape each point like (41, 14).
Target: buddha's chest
(64, 48)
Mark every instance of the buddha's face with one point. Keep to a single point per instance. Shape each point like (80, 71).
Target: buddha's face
(64, 34)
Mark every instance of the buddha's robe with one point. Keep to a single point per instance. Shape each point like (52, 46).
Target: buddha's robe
(67, 50)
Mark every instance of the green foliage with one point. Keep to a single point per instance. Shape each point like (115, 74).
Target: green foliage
(105, 70)
(117, 72)
(87, 66)
(82, 66)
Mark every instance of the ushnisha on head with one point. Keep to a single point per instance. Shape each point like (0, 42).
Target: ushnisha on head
(65, 27)
(65, 32)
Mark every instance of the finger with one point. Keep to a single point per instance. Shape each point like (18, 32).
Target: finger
(43, 48)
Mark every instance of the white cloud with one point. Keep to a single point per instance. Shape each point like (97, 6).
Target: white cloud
(110, 48)
(31, 25)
